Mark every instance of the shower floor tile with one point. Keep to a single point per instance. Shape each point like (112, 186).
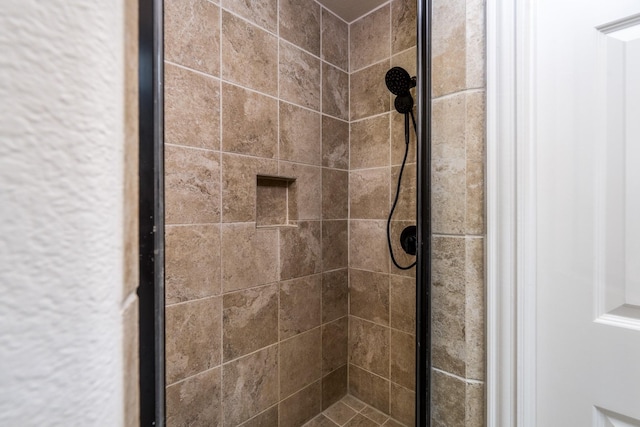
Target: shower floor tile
(351, 412)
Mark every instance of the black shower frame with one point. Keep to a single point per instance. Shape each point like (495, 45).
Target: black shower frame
(423, 218)
(151, 215)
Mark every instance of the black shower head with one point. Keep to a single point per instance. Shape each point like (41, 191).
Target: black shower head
(398, 81)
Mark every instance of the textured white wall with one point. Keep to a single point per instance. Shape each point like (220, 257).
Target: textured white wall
(61, 204)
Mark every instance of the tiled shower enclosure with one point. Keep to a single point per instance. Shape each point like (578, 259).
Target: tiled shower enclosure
(282, 150)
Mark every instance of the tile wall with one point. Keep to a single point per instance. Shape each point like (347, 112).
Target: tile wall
(458, 212)
(381, 350)
(382, 297)
(256, 316)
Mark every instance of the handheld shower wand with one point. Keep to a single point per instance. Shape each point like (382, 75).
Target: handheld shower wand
(400, 83)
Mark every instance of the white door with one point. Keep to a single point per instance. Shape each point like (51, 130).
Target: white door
(586, 127)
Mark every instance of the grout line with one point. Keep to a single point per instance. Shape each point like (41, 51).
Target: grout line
(176, 304)
(458, 236)
(182, 380)
(208, 150)
(258, 414)
(267, 347)
(465, 91)
(374, 116)
(459, 378)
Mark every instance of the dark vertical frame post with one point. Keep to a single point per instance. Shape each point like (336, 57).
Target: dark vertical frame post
(151, 214)
(423, 271)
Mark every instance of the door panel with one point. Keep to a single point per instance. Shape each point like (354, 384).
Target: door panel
(587, 133)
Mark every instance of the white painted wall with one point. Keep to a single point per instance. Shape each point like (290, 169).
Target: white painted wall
(61, 212)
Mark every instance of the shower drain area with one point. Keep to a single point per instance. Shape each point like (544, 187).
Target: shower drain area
(276, 201)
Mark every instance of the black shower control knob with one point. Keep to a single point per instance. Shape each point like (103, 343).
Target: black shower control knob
(409, 240)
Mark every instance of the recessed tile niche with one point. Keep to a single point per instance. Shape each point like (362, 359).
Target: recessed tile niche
(275, 201)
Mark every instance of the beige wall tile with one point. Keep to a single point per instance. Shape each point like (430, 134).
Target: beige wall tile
(192, 34)
(250, 385)
(334, 386)
(370, 38)
(368, 245)
(300, 301)
(369, 387)
(407, 59)
(447, 400)
(191, 108)
(369, 295)
(192, 262)
(299, 77)
(403, 359)
(335, 194)
(249, 122)
(195, 401)
(335, 92)
(403, 23)
(261, 12)
(475, 198)
(192, 186)
(402, 302)
(335, 143)
(249, 256)
(300, 252)
(193, 338)
(300, 139)
(335, 337)
(239, 184)
(335, 244)
(354, 403)
(475, 49)
(301, 407)
(398, 145)
(475, 123)
(403, 405)
(300, 362)
(250, 321)
(406, 207)
(448, 196)
(335, 295)
(449, 127)
(369, 143)
(300, 24)
(335, 40)
(448, 304)
(449, 47)
(475, 308)
(369, 194)
(264, 419)
(369, 346)
(305, 192)
(475, 405)
(368, 93)
(249, 55)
